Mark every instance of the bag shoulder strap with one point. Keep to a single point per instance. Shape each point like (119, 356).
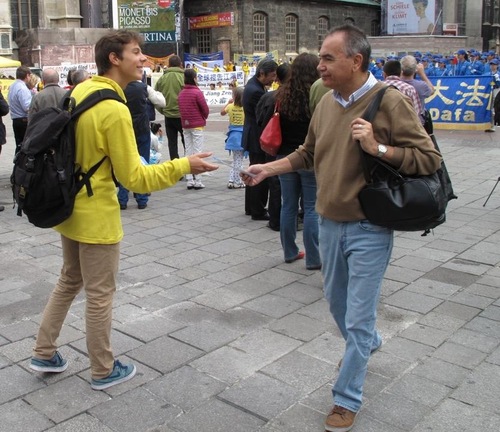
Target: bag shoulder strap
(369, 115)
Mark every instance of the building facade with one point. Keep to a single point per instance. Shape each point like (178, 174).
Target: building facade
(49, 32)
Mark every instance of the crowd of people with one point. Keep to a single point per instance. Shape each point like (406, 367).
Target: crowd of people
(317, 172)
(463, 62)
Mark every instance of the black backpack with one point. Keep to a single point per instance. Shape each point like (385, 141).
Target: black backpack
(46, 179)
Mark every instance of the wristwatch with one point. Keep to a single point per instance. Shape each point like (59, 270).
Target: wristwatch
(382, 150)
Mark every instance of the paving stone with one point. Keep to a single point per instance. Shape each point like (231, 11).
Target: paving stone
(65, 399)
(298, 418)
(475, 340)
(424, 264)
(273, 306)
(454, 416)
(19, 330)
(300, 371)
(419, 389)
(485, 326)
(17, 351)
(442, 372)
(188, 312)
(457, 310)
(388, 365)
(186, 387)
(401, 274)
(81, 423)
(18, 416)
(495, 357)
(327, 347)
(441, 321)
(206, 336)
(319, 311)
(262, 395)
(216, 416)
(491, 312)
(433, 288)
(412, 301)
(17, 382)
(452, 276)
(135, 410)
(459, 355)
(481, 387)
(406, 349)
(425, 335)
(120, 342)
(164, 354)
(149, 327)
(406, 416)
(300, 327)
(300, 292)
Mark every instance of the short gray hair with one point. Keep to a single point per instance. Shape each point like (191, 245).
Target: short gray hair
(408, 65)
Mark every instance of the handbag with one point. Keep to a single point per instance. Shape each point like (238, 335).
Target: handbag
(270, 138)
(398, 201)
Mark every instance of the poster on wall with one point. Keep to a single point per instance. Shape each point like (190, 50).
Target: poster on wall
(411, 17)
(158, 21)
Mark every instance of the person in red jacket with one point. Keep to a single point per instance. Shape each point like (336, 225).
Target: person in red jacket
(194, 113)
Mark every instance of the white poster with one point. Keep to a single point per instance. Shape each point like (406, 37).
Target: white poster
(410, 16)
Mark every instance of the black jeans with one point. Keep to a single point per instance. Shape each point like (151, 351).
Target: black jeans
(256, 196)
(173, 127)
(19, 126)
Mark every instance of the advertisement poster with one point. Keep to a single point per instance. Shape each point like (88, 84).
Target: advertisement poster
(411, 17)
(157, 20)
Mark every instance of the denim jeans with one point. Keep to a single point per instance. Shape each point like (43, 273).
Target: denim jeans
(144, 148)
(293, 185)
(355, 257)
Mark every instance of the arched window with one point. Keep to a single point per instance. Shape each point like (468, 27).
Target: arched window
(260, 32)
(291, 34)
(349, 20)
(323, 26)
(375, 28)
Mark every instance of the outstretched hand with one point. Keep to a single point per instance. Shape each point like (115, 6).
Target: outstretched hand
(199, 165)
(257, 172)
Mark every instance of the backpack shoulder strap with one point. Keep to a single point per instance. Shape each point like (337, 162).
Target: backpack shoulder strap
(94, 99)
(83, 179)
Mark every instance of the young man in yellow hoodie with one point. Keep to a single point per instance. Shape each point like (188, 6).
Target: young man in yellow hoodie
(91, 235)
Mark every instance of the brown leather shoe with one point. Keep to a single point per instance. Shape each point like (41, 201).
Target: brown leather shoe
(340, 419)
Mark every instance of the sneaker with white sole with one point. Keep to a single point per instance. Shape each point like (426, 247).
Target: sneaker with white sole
(190, 184)
(55, 364)
(198, 185)
(118, 375)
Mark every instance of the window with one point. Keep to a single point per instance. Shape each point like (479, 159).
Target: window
(349, 21)
(375, 28)
(203, 41)
(5, 41)
(461, 8)
(291, 34)
(24, 14)
(259, 32)
(323, 26)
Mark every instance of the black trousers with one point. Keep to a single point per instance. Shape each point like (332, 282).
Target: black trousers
(256, 196)
(173, 127)
(19, 126)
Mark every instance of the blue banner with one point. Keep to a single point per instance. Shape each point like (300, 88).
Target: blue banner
(461, 103)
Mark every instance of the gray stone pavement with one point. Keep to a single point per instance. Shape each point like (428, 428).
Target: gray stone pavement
(227, 337)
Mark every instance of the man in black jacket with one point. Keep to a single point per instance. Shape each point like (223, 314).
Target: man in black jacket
(255, 88)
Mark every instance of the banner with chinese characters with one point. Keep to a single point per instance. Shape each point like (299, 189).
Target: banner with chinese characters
(158, 21)
(461, 103)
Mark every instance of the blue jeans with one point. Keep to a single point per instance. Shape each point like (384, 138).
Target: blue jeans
(355, 257)
(294, 184)
(144, 148)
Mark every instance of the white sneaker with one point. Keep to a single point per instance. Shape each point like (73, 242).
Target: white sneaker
(198, 185)
(190, 184)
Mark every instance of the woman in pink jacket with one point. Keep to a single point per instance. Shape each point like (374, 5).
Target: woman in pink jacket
(194, 113)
